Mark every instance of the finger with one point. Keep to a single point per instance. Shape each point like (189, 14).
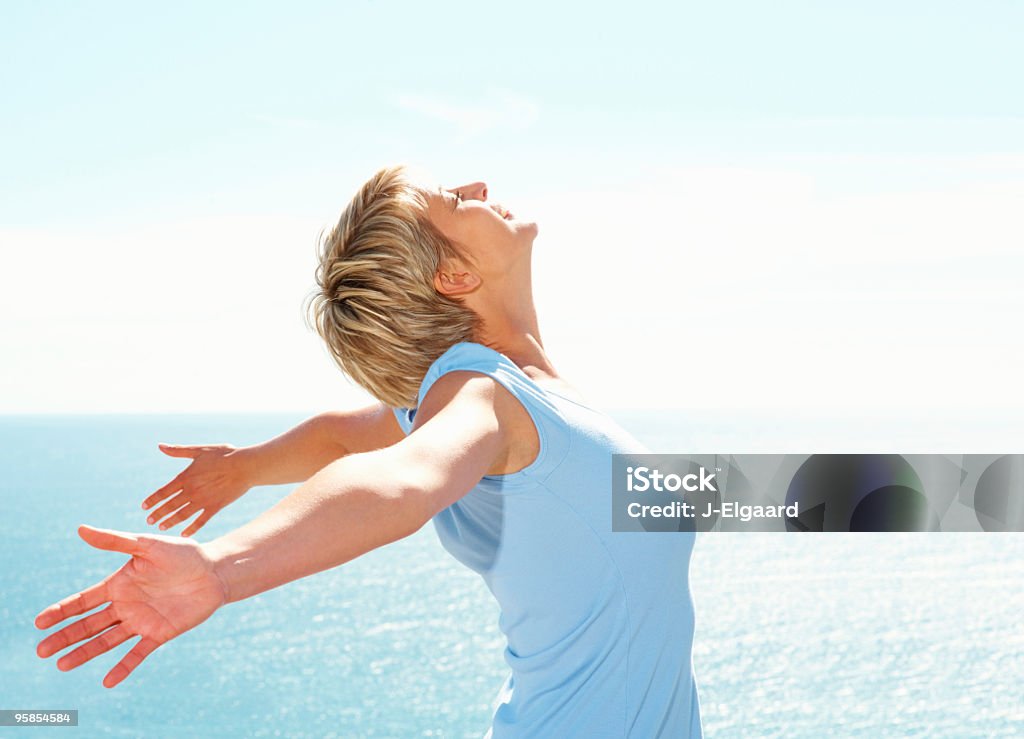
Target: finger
(76, 632)
(169, 507)
(186, 512)
(180, 450)
(130, 661)
(101, 644)
(169, 489)
(73, 605)
(112, 541)
(193, 527)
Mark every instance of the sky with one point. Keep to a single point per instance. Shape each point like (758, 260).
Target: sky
(741, 205)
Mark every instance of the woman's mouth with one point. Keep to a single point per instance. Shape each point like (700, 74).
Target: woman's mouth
(501, 211)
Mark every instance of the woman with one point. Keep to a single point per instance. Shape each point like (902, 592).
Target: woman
(425, 299)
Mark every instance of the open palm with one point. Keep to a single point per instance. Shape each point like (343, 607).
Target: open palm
(165, 589)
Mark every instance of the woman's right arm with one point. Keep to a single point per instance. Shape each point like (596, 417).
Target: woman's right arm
(221, 473)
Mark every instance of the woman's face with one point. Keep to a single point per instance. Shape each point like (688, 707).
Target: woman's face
(494, 239)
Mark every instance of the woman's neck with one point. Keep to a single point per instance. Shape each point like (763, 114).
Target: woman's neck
(518, 338)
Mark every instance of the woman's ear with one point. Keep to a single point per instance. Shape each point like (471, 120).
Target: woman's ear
(455, 281)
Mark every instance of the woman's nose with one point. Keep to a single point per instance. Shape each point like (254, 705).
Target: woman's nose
(474, 191)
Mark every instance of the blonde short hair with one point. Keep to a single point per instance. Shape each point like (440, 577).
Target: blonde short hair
(376, 306)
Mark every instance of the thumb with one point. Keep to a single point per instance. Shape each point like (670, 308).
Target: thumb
(113, 541)
(179, 450)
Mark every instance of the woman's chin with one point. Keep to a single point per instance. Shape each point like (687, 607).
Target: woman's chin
(528, 227)
(522, 243)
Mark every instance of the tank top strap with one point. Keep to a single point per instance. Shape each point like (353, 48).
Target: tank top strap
(551, 424)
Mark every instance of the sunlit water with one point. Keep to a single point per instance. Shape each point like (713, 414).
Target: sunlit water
(797, 635)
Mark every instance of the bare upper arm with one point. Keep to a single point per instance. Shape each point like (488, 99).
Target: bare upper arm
(467, 426)
(521, 442)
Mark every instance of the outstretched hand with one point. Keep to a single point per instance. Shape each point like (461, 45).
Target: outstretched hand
(166, 588)
(213, 479)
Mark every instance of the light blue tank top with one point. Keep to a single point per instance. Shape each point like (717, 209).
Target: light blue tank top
(599, 624)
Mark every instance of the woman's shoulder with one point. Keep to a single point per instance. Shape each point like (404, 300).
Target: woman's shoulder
(533, 420)
(463, 355)
(536, 382)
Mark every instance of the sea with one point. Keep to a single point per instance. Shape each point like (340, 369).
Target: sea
(797, 635)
